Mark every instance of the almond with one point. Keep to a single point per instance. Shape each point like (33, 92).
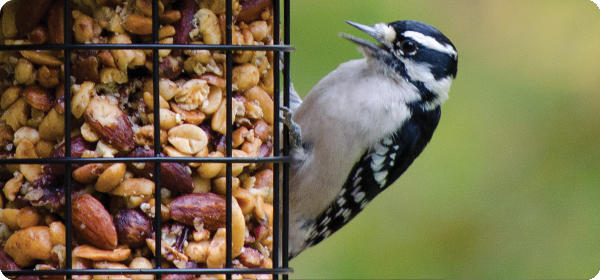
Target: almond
(110, 123)
(28, 17)
(93, 223)
(184, 26)
(38, 98)
(207, 208)
(56, 32)
(174, 175)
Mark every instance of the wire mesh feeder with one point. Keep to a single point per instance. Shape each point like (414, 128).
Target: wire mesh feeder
(153, 43)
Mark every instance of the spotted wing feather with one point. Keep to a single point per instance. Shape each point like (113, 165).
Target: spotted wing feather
(378, 168)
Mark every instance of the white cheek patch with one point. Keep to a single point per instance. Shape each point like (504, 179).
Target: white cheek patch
(422, 72)
(430, 42)
(387, 33)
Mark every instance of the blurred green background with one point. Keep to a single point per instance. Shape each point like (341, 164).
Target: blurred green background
(509, 187)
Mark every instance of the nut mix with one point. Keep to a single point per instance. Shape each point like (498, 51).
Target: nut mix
(112, 107)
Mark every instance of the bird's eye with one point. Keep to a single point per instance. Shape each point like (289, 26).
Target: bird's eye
(408, 47)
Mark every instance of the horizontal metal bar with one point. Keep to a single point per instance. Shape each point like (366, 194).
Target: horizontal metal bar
(283, 48)
(280, 159)
(150, 271)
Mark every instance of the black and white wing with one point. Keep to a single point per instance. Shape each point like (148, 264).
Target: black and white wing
(378, 168)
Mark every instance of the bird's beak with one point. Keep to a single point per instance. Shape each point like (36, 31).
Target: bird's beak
(381, 32)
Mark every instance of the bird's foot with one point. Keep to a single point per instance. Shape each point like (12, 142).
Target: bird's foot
(294, 130)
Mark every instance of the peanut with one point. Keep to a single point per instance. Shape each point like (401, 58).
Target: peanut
(52, 126)
(81, 98)
(141, 263)
(188, 138)
(57, 233)
(24, 72)
(9, 97)
(12, 186)
(245, 77)
(134, 186)
(26, 149)
(111, 177)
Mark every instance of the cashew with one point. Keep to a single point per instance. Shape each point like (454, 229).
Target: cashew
(208, 27)
(29, 244)
(12, 186)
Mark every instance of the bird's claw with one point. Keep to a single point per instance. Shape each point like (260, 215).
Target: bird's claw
(293, 128)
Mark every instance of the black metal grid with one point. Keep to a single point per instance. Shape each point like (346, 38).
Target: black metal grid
(277, 158)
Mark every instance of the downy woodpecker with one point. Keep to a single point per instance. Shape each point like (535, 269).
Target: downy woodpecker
(363, 124)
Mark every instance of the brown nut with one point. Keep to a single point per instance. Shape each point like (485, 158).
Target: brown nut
(188, 8)
(9, 19)
(27, 217)
(85, 69)
(6, 263)
(56, 21)
(29, 244)
(145, 136)
(264, 101)
(170, 17)
(38, 98)
(207, 208)
(26, 149)
(9, 97)
(187, 138)
(111, 124)
(93, 223)
(141, 263)
(251, 9)
(12, 186)
(8, 217)
(38, 35)
(48, 77)
(52, 126)
(41, 58)
(134, 186)
(26, 133)
(95, 254)
(81, 98)
(210, 170)
(30, 13)
(138, 24)
(197, 251)
(110, 177)
(251, 257)
(133, 227)
(220, 186)
(194, 117)
(57, 233)
(245, 77)
(88, 173)
(16, 115)
(24, 72)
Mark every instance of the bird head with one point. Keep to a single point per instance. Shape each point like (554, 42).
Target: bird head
(415, 51)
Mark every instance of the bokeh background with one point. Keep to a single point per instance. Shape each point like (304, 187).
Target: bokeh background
(509, 187)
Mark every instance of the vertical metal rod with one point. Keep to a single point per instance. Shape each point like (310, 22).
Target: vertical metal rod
(67, 116)
(157, 150)
(276, 96)
(228, 138)
(286, 143)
